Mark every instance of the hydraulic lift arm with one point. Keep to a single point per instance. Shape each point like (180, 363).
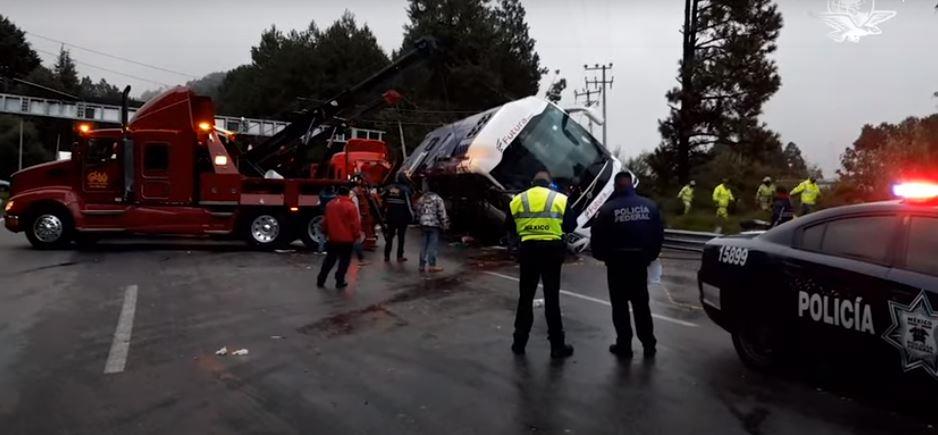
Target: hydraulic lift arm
(283, 151)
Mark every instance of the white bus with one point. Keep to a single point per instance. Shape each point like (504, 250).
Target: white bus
(480, 162)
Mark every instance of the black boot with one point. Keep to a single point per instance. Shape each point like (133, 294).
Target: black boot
(517, 347)
(621, 350)
(561, 351)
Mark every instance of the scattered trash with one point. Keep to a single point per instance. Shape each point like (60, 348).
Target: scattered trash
(223, 351)
(276, 337)
(240, 352)
(538, 303)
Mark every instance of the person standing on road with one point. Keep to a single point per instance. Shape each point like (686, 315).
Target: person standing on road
(627, 234)
(687, 195)
(722, 197)
(433, 220)
(358, 247)
(782, 211)
(810, 192)
(538, 215)
(342, 225)
(398, 214)
(765, 194)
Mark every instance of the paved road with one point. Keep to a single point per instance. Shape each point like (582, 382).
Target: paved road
(122, 339)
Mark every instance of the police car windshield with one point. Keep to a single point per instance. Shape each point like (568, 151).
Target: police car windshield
(552, 141)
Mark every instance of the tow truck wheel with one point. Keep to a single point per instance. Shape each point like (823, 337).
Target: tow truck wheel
(760, 345)
(266, 230)
(49, 229)
(311, 231)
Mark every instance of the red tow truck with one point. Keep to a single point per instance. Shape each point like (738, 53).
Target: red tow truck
(169, 171)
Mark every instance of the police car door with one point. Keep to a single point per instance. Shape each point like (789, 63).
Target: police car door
(839, 278)
(911, 335)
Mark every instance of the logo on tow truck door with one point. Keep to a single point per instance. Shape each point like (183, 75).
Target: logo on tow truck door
(914, 332)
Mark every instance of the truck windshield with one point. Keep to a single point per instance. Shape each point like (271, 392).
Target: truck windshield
(555, 142)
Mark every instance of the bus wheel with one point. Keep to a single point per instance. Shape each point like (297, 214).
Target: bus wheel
(311, 231)
(49, 229)
(266, 230)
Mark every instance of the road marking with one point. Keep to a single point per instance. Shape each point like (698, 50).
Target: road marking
(117, 357)
(600, 301)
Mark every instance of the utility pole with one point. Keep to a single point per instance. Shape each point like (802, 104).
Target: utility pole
(601, 84)
(21, 145)
(590, 102)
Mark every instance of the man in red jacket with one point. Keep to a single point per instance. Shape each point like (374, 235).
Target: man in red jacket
(342, 225)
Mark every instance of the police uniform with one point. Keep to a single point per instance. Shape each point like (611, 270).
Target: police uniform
(810, 192)
(722, 197)
(627, 233)
(538, 216)
(398, 214)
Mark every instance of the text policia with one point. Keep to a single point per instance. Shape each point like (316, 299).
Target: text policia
(847, 313)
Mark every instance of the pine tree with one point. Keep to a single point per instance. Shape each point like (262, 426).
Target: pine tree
(726, 76)
(794, 161)
(65, 73)
(18, 57)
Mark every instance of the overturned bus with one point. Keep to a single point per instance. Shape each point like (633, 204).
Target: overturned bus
(478, 163)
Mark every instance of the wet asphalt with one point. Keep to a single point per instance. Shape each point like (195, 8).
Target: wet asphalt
(395, 352)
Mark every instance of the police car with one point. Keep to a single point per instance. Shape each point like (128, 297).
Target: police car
(853, 285)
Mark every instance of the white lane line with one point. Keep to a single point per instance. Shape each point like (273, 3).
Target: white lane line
(601, 301)
(120, 347)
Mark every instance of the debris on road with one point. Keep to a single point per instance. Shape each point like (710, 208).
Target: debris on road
(240, 352)
(222, 352)
(538, 303)
(277, 337)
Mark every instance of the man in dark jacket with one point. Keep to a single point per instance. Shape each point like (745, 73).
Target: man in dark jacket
(343, 227)
(398, 214)
(782, 210)
(627, 233)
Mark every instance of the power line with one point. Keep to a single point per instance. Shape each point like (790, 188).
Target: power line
(107, 69)
(91, 50)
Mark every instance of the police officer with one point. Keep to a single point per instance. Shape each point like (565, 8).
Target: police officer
(627, 233)
(810, 192)
(765, 194)
(538, 217)
(398, 214)
(687, 195)
(722, 197)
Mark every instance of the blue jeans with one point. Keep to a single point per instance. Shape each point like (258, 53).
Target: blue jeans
(429, 240)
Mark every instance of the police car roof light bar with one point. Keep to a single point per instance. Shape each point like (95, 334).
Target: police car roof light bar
(916, 190)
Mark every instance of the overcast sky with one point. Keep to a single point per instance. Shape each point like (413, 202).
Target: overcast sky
(829, 89)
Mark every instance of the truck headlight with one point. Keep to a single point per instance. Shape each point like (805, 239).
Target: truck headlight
(7, 207)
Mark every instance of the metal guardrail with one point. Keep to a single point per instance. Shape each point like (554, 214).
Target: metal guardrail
(693, 241)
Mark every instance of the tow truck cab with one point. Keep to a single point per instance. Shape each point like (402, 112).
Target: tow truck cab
(169, 171)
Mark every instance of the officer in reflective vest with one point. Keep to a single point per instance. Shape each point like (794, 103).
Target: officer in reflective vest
(810, 192)
(540, 218)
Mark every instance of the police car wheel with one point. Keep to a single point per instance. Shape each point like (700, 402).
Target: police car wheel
(759, 345)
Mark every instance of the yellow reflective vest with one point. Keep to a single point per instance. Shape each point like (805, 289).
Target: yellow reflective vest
(809, 192)
(686, 194)
(765, 192)
(722, 195)
(538, 214)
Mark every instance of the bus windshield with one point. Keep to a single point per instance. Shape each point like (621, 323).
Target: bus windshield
(557, 143)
